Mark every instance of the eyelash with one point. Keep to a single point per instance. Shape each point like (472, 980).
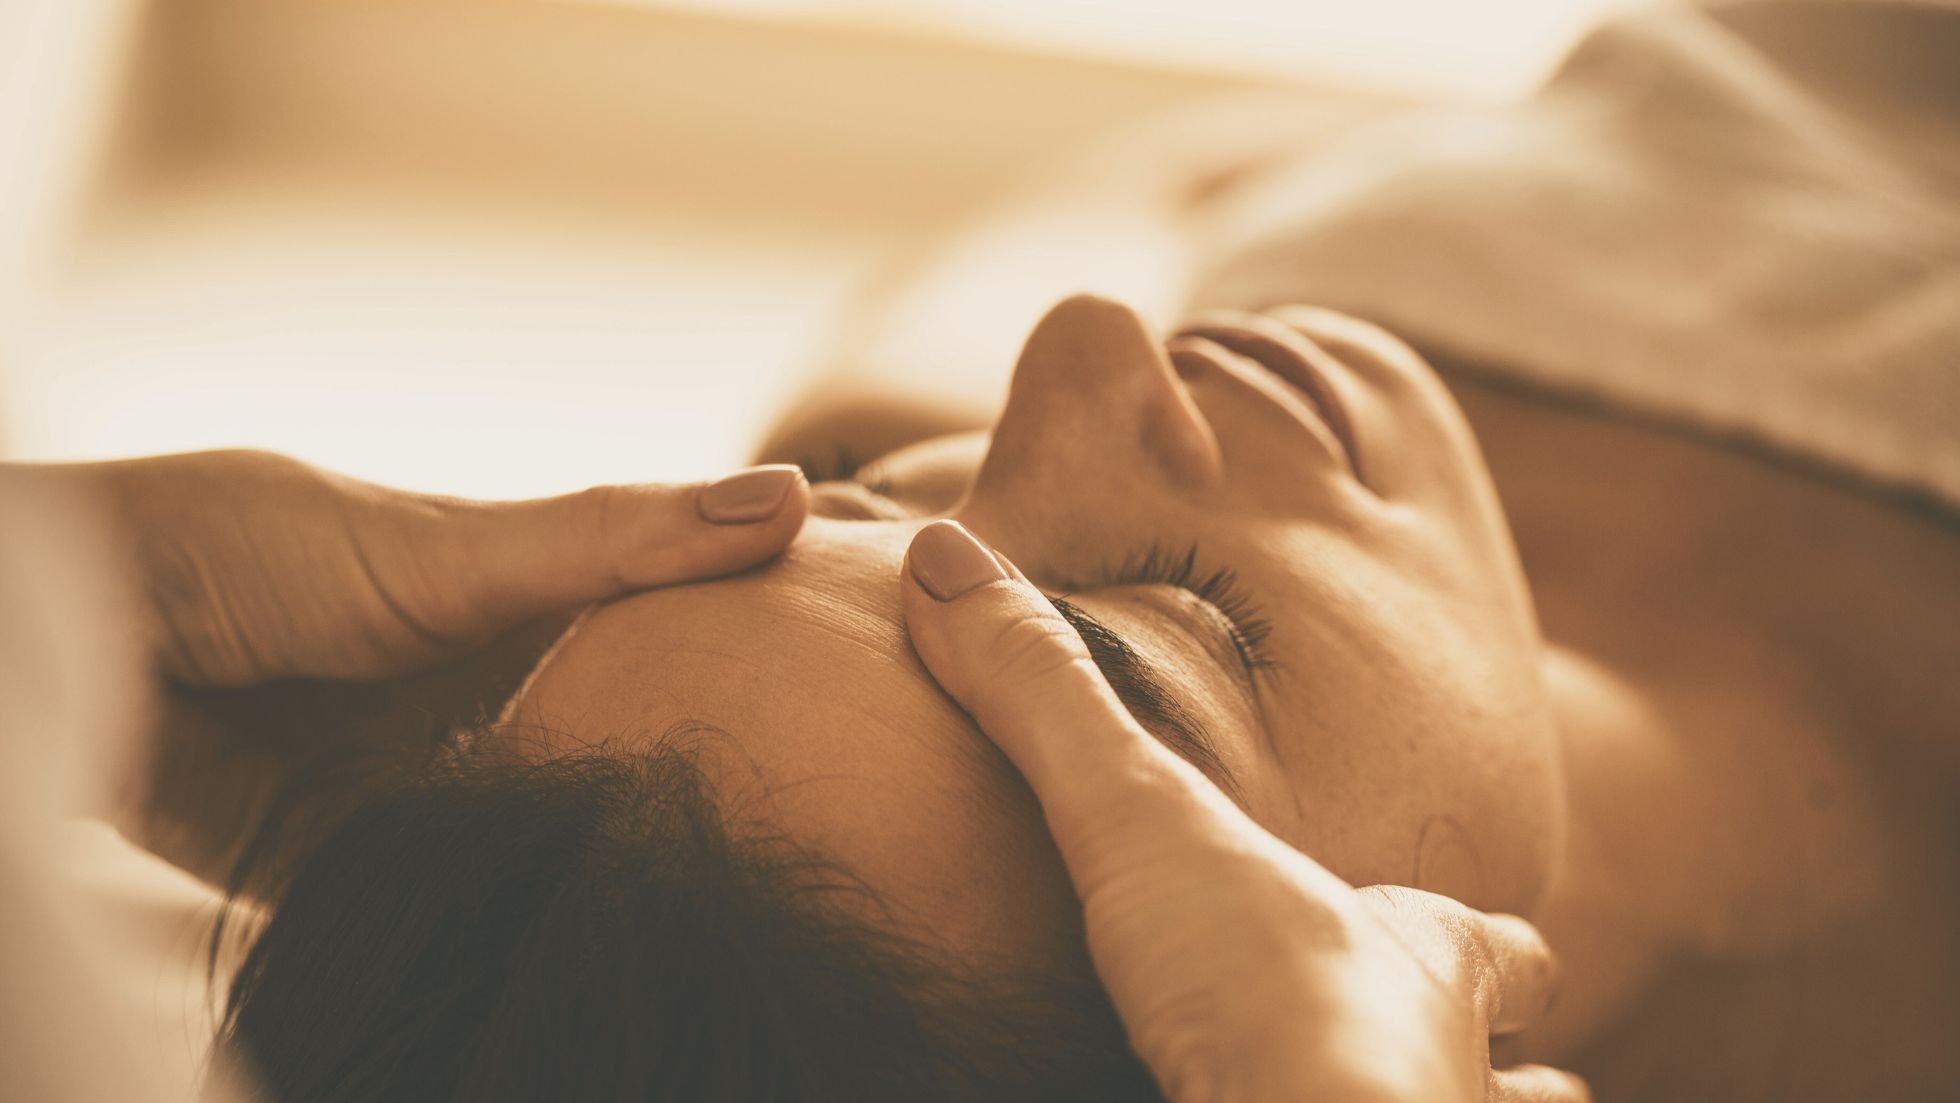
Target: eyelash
(1219, 588)
(842, 465)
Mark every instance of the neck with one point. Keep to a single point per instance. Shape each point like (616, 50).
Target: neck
(1614, 909)
(1721, 810)
(1717, 840)
(1756, 747)
(1682, 832)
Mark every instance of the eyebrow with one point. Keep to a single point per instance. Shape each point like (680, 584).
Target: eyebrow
(1143, 691)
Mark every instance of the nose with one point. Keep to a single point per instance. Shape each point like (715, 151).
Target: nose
(1095, 399)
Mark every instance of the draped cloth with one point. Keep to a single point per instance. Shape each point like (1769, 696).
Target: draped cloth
(1741, 219)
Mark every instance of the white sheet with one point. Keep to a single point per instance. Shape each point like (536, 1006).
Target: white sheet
(1745, 220)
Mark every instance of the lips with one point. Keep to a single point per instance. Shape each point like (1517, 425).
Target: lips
(1288, 358)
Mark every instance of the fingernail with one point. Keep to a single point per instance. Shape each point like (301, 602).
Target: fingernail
(948, 560)
(747, 496)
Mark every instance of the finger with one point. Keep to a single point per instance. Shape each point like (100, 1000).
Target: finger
(1537, 1084)
(1499, 961)
(1000, 649)
(510, 561)
(1523, 974)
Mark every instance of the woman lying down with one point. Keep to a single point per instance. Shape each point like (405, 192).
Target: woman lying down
(1638, 621)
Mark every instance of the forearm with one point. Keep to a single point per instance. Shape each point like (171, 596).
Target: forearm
(416, 613)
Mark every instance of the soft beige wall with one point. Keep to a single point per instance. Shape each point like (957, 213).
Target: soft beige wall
(512, 247)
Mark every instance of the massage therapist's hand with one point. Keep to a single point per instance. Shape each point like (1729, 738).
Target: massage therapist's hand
(1242, 969)
(258, 566)
(310, 627)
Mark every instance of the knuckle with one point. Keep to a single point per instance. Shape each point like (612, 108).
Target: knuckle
(1034, 648)
(1442, 933)
(1024, 662)
(1391, 898)
(1025, 659)
(595, 521)
(1416, 908)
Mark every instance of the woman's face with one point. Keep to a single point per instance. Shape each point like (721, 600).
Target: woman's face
(1286, 551)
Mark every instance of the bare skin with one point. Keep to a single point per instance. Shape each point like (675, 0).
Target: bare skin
(1750, 664)
(1757, 651)
(1745, 666)
(1781, 638)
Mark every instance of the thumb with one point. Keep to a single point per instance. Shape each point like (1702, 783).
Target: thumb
(1113, 796)
(1218, 944)
(488, 565)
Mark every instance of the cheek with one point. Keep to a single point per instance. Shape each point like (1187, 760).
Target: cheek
(1446, 812)
(1489, 835)
(1449, 861)
(1423, 755)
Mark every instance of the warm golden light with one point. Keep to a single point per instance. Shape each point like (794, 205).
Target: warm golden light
(510, 248)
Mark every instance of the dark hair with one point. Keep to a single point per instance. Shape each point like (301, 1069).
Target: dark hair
(594, 927)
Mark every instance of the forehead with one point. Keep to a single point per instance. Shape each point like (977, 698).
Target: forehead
(814, 718)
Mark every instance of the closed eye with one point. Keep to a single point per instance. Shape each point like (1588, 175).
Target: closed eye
(1146, 693)
(1217, 588)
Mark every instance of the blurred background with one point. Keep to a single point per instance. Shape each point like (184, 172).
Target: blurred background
(512, 247)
